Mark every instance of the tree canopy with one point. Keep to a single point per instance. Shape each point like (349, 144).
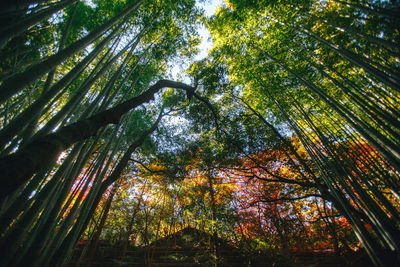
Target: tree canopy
(285, 138)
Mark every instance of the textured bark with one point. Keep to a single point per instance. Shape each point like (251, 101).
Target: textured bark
(46, 149)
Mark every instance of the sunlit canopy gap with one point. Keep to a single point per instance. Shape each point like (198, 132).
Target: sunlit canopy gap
(199, 133)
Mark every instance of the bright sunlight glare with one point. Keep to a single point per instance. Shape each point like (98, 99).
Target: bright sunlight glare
(177, 70)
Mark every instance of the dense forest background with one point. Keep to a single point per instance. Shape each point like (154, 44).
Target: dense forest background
(285, 138)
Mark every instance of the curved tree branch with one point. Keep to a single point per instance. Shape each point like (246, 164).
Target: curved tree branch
(45, 150)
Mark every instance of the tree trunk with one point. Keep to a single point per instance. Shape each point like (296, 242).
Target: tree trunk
(7, 6)
(375, 10)
(29, 130)
(9, 32)
(25, 117)
(81, 92)
(19, 81)
(386, 147)
(47, 148)
(96, 236)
